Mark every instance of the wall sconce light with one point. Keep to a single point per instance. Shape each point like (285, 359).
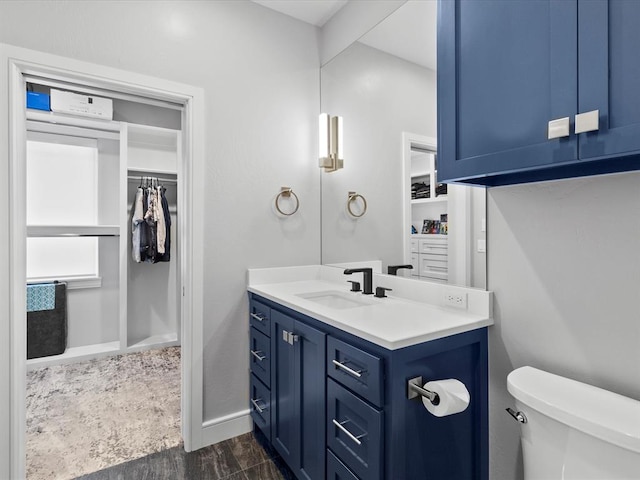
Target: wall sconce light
(330, 153)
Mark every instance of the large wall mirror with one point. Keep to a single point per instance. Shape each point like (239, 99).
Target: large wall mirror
(384, 88)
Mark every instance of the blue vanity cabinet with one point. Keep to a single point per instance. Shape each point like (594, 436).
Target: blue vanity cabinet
(298, 394)
(508, 69)
(356, 423)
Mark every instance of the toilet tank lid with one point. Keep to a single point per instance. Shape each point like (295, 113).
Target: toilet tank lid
(592, 410)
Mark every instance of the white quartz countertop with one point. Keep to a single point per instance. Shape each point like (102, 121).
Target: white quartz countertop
(393, 322)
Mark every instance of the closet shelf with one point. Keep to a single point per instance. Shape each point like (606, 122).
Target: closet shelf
(148, 135)
(441, 198)
(61, 119)
(73, 230)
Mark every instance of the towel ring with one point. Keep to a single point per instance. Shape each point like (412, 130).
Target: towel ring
(353, 196)
(287, 192)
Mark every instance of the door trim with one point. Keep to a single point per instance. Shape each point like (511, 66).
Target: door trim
(16, 62)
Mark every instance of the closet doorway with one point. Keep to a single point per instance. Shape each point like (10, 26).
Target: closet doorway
(126, 323)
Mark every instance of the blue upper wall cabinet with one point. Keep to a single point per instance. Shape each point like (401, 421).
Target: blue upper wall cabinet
(512, 74)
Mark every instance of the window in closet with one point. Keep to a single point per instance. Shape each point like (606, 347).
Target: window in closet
(62, 191)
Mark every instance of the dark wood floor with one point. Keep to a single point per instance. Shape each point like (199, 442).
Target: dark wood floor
(240, 458)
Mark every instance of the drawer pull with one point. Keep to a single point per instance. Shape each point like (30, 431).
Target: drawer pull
(355, 373)
(258, 317)
(257, 355)
(258, 407)
(347, 432)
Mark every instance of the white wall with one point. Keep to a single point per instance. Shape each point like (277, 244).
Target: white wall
(259, 70)
(564, 265)
(379, 96)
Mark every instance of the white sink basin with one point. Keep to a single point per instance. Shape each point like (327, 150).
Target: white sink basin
(337, 299)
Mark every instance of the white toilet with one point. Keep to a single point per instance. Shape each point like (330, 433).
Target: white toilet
(574, 431)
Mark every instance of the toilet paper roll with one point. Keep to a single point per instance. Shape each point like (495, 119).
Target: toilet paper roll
(454, 397)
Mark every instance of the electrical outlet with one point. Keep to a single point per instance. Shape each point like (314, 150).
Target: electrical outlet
(454, 299)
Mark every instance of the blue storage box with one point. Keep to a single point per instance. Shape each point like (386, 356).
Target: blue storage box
(38, 101)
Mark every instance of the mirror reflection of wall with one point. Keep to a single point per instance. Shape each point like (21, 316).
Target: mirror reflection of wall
(387, 94)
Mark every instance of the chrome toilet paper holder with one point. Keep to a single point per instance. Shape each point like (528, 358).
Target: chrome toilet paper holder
(415, 390)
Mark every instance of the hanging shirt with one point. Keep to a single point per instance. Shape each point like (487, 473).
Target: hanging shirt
(160, 224)
(167, 222)
(137, 220)
(151, 221)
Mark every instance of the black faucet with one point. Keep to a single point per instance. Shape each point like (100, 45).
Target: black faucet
(393, 269)
(367, 278)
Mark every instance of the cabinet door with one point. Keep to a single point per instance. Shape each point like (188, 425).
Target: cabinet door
(505, 69)
(298, 395)
(609, 39)
(284, 414)
(310, 381)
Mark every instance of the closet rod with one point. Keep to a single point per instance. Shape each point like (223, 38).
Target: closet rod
(58, 235)
(171, 181)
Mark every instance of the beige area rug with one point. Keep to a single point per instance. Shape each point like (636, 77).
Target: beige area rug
(91, 415)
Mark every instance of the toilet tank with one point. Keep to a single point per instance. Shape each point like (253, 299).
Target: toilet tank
(575, 431)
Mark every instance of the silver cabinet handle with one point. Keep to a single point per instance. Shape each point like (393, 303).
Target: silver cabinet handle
(347, 432)
(519, 416)
(258, 407)
(587, 121)
(290, 337)
(355, 373)
(558, 128)
(257, 355)
(260, 318)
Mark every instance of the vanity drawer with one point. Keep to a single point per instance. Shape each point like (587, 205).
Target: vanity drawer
(415, 245)
(415, 261)
(356, 370)
(433, 267)
(260, 316)
(260, 405)
(354, 432)
(437, 246)
(336, 470)
(260, 355)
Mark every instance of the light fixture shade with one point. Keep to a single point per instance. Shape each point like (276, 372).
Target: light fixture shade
(330, 142)
(323, 136)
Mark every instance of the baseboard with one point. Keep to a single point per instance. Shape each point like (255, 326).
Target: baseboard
(223, 428)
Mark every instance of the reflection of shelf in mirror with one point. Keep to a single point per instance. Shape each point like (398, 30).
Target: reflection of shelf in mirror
(441, 198)
(424, 173)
